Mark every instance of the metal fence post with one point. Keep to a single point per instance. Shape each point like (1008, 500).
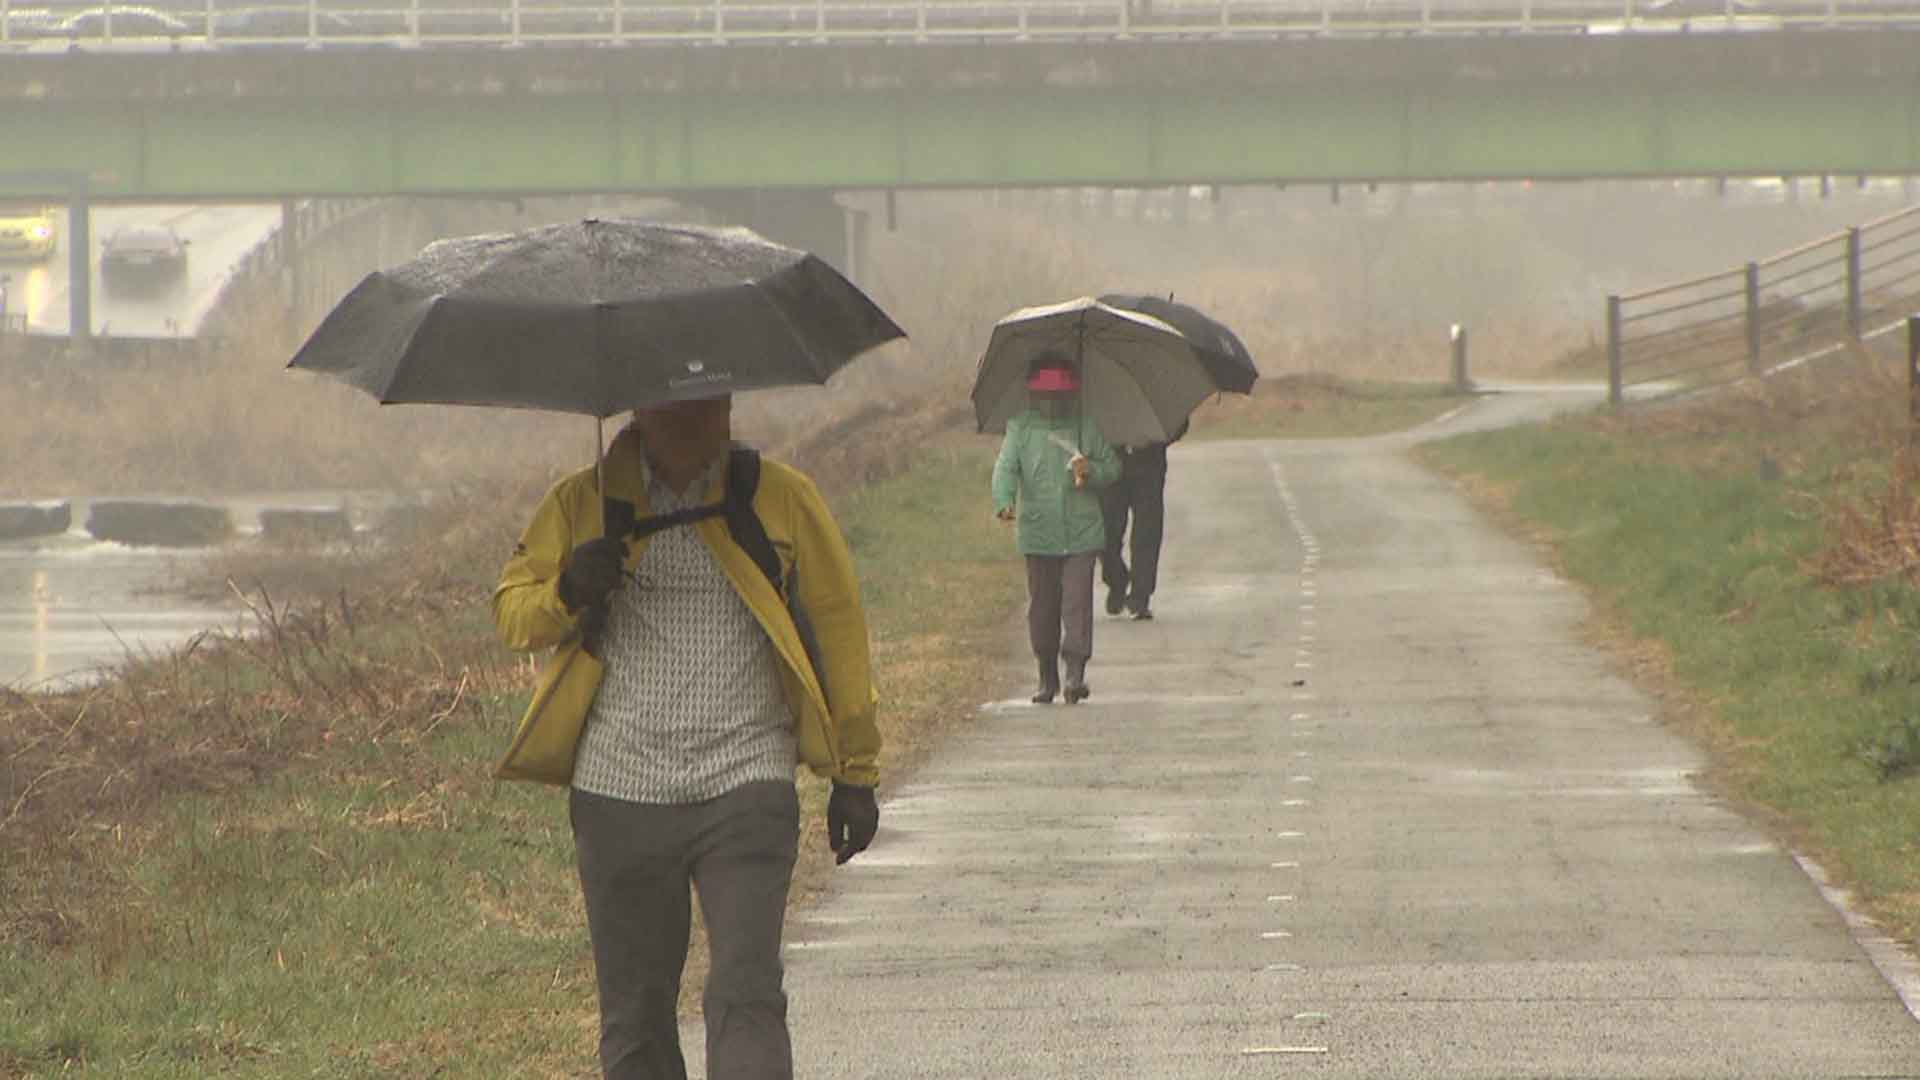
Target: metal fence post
(1459, 337)
(1753, 317)
(1853, 283)
(1613, 350)
(1913, 376)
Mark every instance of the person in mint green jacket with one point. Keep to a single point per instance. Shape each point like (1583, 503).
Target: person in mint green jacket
(1051, 465)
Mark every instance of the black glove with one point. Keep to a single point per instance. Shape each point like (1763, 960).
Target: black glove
(592, 572)
(852, 817)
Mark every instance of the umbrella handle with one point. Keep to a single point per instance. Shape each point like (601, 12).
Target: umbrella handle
(599, 452)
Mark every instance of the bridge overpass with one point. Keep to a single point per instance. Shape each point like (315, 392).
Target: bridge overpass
(720, 100)
(214, 121)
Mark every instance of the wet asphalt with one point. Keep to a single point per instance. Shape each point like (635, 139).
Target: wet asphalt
(1358, 803)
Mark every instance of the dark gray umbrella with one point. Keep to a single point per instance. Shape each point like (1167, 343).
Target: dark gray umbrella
(1226, 358)
(595, 317)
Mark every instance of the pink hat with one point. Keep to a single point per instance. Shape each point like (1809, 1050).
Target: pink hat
(1053, 378)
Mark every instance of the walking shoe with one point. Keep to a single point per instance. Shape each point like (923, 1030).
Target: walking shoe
(1077, 689)
(1116, 599)
(1142, 612)
(1049, 681)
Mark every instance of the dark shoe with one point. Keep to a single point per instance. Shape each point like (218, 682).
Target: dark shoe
(1116, 599)
(1049, 681)
(1143, 612)
(1077, 689)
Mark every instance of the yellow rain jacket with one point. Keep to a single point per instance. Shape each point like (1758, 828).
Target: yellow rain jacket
(833, 710)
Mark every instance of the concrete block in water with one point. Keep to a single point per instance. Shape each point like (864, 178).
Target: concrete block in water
(160, 524)
(304, 526)
(23, 521)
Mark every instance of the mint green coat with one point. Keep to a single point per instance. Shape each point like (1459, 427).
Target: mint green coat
(1056, 518)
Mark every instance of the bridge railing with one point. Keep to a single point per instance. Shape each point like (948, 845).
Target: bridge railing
(1786, 309)
(53, 25)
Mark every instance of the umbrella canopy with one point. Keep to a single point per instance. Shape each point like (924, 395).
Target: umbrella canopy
(1220, 349)
(595, 317)
(1139, 377)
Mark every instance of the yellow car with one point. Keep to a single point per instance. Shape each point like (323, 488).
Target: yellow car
(26, 232)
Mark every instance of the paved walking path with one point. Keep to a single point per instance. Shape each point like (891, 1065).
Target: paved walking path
(1357, 804)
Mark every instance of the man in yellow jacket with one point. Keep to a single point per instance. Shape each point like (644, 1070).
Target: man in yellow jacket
(679, 699)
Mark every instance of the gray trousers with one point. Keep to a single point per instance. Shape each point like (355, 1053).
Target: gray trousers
(1060, 605)
(636, 862)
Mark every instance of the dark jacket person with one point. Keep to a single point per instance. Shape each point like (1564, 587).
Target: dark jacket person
(1140, 493)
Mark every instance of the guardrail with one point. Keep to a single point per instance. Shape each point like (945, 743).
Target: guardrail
(1774, 313)
(56, 25)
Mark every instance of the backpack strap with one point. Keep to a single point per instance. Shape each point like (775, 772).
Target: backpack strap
(743, 524)
(743, 480)
(617, 515)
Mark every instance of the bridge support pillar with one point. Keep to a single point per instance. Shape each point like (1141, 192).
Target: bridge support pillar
(812, 220)
(293, 257)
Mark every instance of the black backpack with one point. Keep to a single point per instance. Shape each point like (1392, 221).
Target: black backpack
(743, 480)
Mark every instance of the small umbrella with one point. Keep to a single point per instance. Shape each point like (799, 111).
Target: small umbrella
(1139, 377)
(595, 317)
(1220, 349)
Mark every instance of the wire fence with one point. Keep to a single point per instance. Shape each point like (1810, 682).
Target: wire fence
(1773, 313)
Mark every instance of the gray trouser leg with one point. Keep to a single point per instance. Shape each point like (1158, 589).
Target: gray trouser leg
(742, 877)
(1060, 604)
(1043, 604)
(636, 863)
(1076, 605)
(634, 878)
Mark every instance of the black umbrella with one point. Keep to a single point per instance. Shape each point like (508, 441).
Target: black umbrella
(1221, 351)
(595, 317)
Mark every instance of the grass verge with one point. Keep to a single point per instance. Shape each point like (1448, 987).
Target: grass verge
(284, 856)
(1735, 550)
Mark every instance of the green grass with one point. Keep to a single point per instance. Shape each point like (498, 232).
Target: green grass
(380, 907)
(1797, 687)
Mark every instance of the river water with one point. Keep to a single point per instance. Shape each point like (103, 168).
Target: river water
(71, 606)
